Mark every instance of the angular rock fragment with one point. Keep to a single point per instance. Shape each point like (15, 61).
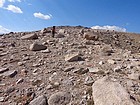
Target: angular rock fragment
(37, 47)
(107, 92)
(95, 70)
(30, 36)
(72, 57)
(41, 100)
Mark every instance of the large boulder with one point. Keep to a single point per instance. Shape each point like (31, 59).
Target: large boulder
(37, 47)
(30, 36)
(107, 92)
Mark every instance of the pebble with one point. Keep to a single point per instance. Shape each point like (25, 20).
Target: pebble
(95, 70)
(1, 99)
(19, 81)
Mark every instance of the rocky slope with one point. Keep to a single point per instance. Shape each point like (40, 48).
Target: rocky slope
(79, 66)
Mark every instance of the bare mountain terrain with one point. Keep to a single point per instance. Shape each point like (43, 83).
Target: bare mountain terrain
(79, 66)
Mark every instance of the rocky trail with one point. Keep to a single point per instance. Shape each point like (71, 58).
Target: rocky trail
(79, 66)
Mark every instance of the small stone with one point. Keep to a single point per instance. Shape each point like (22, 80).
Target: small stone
(60, 98)
(20, 63)
(101, 63)
(35, 70)
(80, 71)
(68, 82)
(72, 57)
(20, 80)
(2, 84)
(68, 69)
(110, 61)
(2, 70)
(24, 71)
(40, 100)
(49, 87)
(118, 69)
(46, 51)
(36, 82)
(56, 84)
(95, 70)
(89, 81)
(2, 99)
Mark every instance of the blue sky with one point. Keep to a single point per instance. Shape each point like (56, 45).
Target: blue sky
(30, 15)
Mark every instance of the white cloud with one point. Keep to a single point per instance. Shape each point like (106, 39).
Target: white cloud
(115, 28)
(2, 3)
(3, 30)
(14, 0)
(42, 16)
(14, 9)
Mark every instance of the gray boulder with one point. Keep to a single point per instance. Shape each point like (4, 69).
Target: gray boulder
(107, 92)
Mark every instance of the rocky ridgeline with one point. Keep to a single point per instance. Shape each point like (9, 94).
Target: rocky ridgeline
(79, 66)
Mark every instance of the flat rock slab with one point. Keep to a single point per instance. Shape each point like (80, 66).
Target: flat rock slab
(72, 57)
(107, 92)
(41, 100)
(29, 37)
(60, 98)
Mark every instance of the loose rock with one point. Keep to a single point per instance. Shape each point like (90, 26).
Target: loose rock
(72, 57)
(40, 100)
(60, 98)
(37, 47)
